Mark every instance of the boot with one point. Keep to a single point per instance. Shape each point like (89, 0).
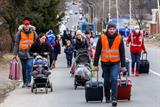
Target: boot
(137, 74)
(132, 70)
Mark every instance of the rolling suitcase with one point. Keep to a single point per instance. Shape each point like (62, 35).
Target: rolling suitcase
(124, 88)
(94, 90)
(144, 65)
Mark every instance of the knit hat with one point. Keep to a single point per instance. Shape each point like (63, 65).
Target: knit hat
(111, 25)
(136, 27)
(79, 32)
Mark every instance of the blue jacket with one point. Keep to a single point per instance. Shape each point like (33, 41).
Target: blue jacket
(68, 50)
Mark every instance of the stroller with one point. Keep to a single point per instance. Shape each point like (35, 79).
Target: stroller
(41, 73)
(83, 69)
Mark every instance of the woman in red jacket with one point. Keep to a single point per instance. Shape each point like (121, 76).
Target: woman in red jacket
(136, 41)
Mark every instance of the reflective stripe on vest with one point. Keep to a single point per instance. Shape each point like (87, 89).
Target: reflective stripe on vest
(110, 54)
(132, 39)
(26, 40)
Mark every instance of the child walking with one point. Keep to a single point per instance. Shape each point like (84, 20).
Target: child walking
(69, 53)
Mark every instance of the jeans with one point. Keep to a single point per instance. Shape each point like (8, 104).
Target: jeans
(135, 59)
(27, 65)
(69, 60)
(110, 73)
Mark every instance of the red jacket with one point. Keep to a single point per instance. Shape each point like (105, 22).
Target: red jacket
(136, 42)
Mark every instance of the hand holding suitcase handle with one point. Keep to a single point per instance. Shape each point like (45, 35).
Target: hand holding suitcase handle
(143, 55)
(93, 70)
(15, 58)
(126, 76)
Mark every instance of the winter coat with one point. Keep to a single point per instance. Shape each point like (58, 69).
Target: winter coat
(23, 54)
(40, 49)
(69, 52)
(137, 42)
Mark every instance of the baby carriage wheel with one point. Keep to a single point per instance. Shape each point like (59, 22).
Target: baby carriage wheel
(32, 89)
(46, 88)
(51, 87)
(75, 85)
(36, 91)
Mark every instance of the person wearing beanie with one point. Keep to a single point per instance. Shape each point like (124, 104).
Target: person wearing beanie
(136, 41)
(110, 50)
(80, 42)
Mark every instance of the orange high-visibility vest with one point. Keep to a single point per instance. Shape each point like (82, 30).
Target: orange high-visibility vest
(26, 40)
(110, 54)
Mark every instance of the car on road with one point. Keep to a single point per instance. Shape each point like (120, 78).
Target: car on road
(71, 12)
(80, 11)
(76, 13)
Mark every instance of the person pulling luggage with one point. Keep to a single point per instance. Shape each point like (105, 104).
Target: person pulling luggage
(110, 50)
(25, 37)
(136, 41)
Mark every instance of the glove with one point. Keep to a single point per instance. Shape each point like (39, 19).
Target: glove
(144, 51)
(127, 44)
(95, 68)
(123, 69)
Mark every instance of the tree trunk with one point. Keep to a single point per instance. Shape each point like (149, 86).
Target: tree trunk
(12, 33)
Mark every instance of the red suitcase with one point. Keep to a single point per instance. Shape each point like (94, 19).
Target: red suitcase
(124, 89)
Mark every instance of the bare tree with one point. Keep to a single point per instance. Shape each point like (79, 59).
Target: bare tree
(8, 13)
(138, 11)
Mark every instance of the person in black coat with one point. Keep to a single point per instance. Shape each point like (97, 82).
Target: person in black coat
(40, 46)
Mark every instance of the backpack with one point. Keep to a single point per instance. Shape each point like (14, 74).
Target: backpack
(51, 39)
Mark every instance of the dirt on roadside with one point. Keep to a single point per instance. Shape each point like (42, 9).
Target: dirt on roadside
(153, 40)
(6, 85)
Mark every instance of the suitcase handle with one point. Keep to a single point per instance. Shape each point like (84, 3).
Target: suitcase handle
(96, 76)
(143, 56)
(120, 82)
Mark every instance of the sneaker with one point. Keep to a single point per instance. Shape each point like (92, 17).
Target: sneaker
(29, 85)
(52, 66)
(108, 100)
(24, 85)
(137, 74)
(114, 103)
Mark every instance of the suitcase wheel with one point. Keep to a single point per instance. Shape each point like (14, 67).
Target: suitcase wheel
(129, 99)
(51, 87)
(46, 89)
(32, 89)
(87, 101)
(36, 91)
(75, 86)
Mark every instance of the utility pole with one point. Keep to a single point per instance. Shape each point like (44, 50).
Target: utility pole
(130, 14)
(158, 15)
(109, 14)
(117, 15)
(103, 16)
